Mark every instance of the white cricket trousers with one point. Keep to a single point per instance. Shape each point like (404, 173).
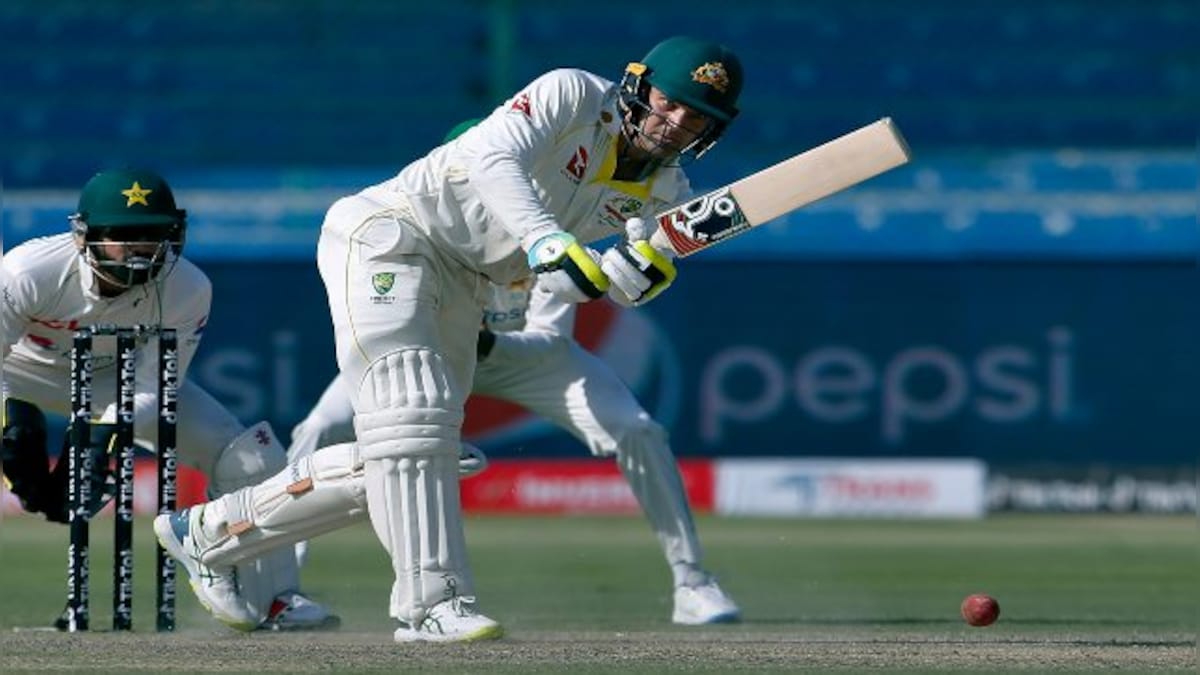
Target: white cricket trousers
(405, 320)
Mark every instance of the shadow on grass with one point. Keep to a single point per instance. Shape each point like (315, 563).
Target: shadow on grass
(926, 621)
(853, 621)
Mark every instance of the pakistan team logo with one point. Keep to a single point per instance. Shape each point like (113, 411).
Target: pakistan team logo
(383, 282)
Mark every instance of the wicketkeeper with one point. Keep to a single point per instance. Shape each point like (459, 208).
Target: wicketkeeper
(121, 264)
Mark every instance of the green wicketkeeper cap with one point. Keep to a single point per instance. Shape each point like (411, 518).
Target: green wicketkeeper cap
(128, 197)
(704, 75)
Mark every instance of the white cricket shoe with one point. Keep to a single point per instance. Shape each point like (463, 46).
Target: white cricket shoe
(292, 611)
(453, 620)
(704, 603)
(217, 589)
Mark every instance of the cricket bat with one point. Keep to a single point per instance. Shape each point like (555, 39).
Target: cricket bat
(780, 189)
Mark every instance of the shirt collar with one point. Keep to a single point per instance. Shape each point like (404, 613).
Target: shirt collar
(664, 185)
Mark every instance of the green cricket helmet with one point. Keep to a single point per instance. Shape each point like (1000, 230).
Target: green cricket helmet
(703, 75)
(127, 226)
(460, 129)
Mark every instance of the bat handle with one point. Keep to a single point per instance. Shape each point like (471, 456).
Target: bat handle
(662, 244)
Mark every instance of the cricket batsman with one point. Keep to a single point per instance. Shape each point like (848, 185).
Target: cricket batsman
(122, 264)
(527, 356)
(408, 265)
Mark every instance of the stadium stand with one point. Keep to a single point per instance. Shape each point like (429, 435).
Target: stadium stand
(330, 84)
(1043, 127)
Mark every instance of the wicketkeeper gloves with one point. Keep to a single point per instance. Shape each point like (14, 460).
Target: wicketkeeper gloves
(103, 486)
(23, 457)
(26, 466)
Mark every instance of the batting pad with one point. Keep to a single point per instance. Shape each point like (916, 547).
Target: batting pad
(408, 407)
(316, 494)
(263, 579)
(250, 457)
(414, 508)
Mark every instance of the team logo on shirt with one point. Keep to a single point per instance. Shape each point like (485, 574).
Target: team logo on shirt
(712, 74)
(618, 209)
(383, 283)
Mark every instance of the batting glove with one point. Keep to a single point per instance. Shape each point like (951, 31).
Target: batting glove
(637, 270)
(569, 271)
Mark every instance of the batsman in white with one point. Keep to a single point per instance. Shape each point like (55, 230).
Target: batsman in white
(527, 356)
(409, 263)
(121, 264)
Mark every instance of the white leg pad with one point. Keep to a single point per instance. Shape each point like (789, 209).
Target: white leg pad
(649, 466)
(414, 507)
(408, 406)
(267, 577)
(251, 457)
(255, 456)
(319, 493)
(407, 422)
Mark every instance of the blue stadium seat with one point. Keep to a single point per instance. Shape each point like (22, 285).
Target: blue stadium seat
(1177, 174)
(1051, 174)
(314, 79)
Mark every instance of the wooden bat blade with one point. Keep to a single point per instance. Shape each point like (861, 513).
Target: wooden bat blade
(758, 198)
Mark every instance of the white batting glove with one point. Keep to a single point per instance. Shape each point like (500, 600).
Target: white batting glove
(638, 272)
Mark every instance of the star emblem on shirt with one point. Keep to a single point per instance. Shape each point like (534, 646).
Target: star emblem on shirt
(136, 194)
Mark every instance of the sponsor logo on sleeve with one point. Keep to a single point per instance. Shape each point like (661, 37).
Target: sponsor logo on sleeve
(522, 105)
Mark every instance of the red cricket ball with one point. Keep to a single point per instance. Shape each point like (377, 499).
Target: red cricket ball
(980, 609)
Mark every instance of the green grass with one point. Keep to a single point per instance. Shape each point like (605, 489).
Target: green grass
(1128, 582)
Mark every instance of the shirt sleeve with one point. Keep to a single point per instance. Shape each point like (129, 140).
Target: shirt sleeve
(191, 323)
(18, 298)
(547, 321)
(502, 157)
(186, 310)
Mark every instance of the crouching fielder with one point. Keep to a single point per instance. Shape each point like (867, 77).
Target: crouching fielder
(527, 357)
(122, 264)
